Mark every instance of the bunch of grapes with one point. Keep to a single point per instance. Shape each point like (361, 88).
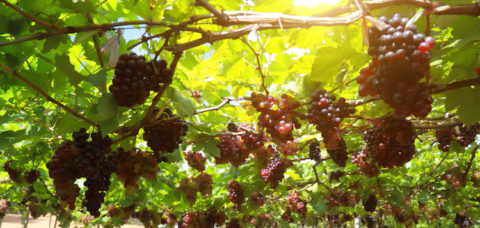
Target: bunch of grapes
(234, 223)
(251, 140)
(256, 199)
(274, 171)
(391, 142)
(204, 182)
(134, 164)
(14, 174)
(32, 176)
(339, 154)
(463, 220)
(232, 149)
(4, 205)
(190, 188)
(195, 160)
(135, 77)
(208, 219)
(236, 148)
(327, 115)
(365, 164)
(341, 198)
(370, 204)
(81, 158)
(444, 137)
(467, 135)
(236, 193)
(167, 133)
(86, 219)
(335, 175)
(314, 151)
(296, 204)
(149, 218)
(277, 116)
(61, 169)
(400, 59)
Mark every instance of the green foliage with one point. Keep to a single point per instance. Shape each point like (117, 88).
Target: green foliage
(293, 61)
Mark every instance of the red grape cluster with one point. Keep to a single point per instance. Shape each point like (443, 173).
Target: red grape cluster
(4, 205)
(339, 153)
(32, 176)
(465, 136)
(236, 193)
(232, 149)
(13, 173)
(365, 164)
(370, 204)
(327, 115)
(204, 182)
(278, 117)
(444, 137)
(201, 183)
(400, 59)
(233, 223)
(391, 142)
(275, 171)
(135, 77)
(167, 133)
(82, 158)
(296, 204)
(314, 151)
(86, 219)
(190, 188)
(134, 164)
(195, 160)
(256, 199)
(236, 148)
(341, 198)
(251, 140)
(463, 220)
(209, 219)
(335, 175)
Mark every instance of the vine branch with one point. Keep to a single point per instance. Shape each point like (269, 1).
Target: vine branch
(49, 98)
(31, 17)
(259, 65)
(474, 151)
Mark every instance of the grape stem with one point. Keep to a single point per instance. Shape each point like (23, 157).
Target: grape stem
(259, 65)
(225, 101)
(474, 151)
(49, 98)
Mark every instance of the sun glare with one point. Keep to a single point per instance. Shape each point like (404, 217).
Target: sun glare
(312, 3)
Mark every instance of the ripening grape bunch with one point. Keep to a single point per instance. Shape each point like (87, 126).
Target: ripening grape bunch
(13, 173)
(370, 204)
(204, 182)
(204, 219)
(135, 77)
(195, 160)
(236, 193)
(275, 170)
(462, 134)
(339, 154)
(296, 204)
(79, 158)
(134, 164)
(167, 133)
(400, 59)
(391, 142)
(277, 116)
(4, 205)
(327, 115)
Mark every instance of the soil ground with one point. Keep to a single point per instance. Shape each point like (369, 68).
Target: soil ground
(14, 221)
